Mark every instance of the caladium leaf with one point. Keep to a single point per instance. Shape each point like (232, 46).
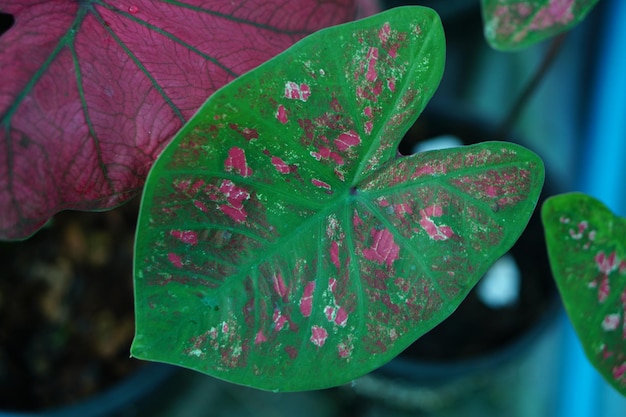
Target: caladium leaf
(514, 24)
(283, 243)
(92, 90)
(587, 250)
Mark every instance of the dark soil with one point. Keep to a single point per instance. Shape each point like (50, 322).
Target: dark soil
(66, 309)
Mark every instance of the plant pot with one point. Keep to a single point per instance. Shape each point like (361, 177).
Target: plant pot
(484, 360)
(67, 318)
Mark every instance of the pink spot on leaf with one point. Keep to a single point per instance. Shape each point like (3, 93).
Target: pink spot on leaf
(259, 338)
(320, 184)
(383, 250)
(334, 254)
(279, 320)
(186, 236)
(606, 264)
(175, 260)
(332, 284)
(236, 161)
(347, 140)
(435, 232)
(280, 165)
(344, 350)
(294, 91)
(384, 33)
(619, 371)
(281, 114)
(577, 235)
(306, 302)
(279, 285)
(318, 336)
(133, 9)
(610, 322)
(341, 317)
(372, 57)
(200, 205)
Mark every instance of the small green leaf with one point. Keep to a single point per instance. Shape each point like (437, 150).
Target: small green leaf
(587, 249)
(283, 243)
(515, 24)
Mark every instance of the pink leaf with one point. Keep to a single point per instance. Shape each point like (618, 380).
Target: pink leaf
(93, 90)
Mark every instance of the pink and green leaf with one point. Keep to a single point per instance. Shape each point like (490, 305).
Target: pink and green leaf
(92, 90)
(282, 241)
(587, 249)
(515, 24)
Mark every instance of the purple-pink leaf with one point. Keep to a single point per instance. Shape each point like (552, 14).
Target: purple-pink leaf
(92, 90)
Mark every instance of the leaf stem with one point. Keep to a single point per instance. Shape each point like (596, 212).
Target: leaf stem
(531, 87)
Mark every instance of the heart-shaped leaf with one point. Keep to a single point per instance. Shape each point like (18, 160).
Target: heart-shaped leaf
(283, 244)
(587, 249)
(92, 90)
(515, 24)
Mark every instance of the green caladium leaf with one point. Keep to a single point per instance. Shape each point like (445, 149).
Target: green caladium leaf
(514, 24)
(587, 249)
(282, 241)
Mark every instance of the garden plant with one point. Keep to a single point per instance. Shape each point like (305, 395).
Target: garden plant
(280, 229)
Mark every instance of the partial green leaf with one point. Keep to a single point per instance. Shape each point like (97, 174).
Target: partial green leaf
(284, 244)
(587, 249)
(515, 24)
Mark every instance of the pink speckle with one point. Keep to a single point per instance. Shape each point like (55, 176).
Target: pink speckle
(368, 126)
(225, 327)
(344, 350)
(402, 208)
(367, 111)
(329, 312)
(320, 184)
(201, 206)
(435, 232)
(383, 250)
(279, 320)
(391, 84)
(236, 161)
(606, 264)
(372, 57)
(332, 284)
(280, 165)
(259, 338)
(294, 91)
(175, 260)
(577, 235)
(133, 9)
(334, 254)
(356, 220)
(235, 195)
(238, 214)
(186, 236)
(318, 336)
(281, 114)
(325, 153)
(557, 12)
(619, 371)
(341, 317)
(347, 140)
(384, 33)
(306, 302)
(279, 285)
(610, 322)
